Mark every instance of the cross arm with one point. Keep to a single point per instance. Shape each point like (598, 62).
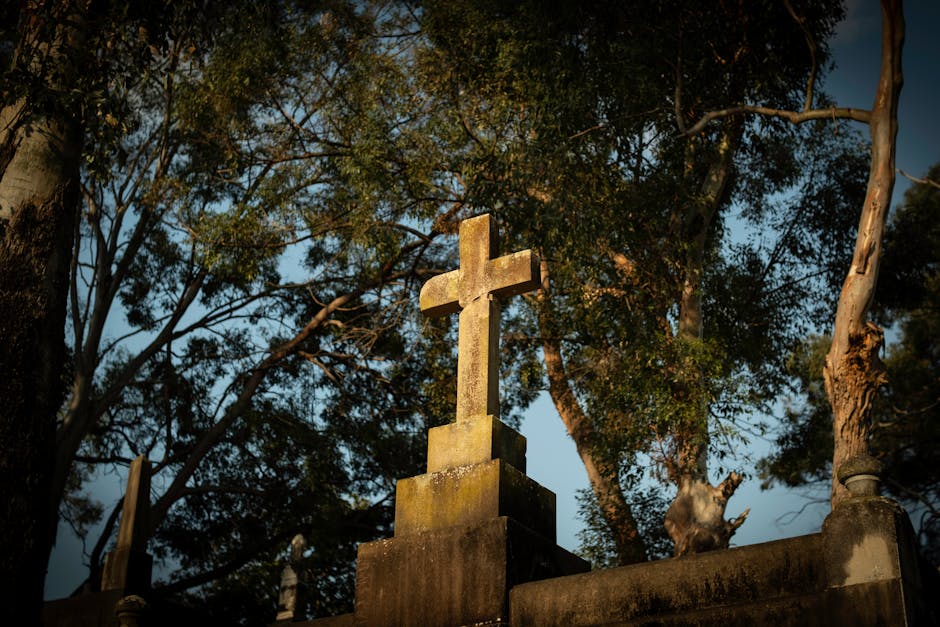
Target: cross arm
(515, 274)
(439, 295)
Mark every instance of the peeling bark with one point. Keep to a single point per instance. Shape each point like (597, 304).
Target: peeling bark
(853, 371)
(696, 519)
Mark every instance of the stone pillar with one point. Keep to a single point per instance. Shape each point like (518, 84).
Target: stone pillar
(128, 567)
(871, 555)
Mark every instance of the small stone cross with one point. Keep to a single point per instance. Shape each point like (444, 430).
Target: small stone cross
(474, 290)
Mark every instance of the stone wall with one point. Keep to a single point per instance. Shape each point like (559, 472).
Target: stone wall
(863, 569)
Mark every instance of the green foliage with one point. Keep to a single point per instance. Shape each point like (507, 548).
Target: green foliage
(270, 159)
(264, 244)
(596, 545)
(571, 117)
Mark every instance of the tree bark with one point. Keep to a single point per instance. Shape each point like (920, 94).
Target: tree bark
(38, 204)
(853, 371)
(603, 477)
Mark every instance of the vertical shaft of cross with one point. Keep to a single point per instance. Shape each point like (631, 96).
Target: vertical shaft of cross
(128, 566)
(132, 532)
(478, 359)
(474, 290)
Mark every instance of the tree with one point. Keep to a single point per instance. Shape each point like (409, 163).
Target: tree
(40, 143)
(630, 204)
(853, 371)
(233, 218)
(904, 426)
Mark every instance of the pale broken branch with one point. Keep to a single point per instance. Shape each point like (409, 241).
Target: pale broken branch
(922, 181)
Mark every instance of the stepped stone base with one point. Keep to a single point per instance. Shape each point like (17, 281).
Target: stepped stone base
(474, 441)
(453, 576)
(468, 495)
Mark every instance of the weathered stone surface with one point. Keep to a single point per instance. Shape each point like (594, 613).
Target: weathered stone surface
(870, 540)
(862, 570)
(474, 290)
(469, 495)
(863, 536)
(457, 576)
(474, 441)
(135, 513)
(673, 586)
(128, 570)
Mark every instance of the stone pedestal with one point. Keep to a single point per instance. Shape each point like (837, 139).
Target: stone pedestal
(466, 532)
(872, 563)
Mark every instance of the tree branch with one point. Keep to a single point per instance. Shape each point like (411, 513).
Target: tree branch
(795, 117)
(923, 181)
(811, 44)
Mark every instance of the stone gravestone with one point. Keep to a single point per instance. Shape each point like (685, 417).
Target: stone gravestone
(475, 525)
(290, 598)
(126, 572)
(128, 567)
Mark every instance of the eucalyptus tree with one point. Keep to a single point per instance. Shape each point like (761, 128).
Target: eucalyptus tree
(853, 372)
(242, 295)
(657, 326)
(904, 421)
(53, 75)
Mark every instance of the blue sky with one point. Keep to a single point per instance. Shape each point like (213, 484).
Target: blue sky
(552, 459)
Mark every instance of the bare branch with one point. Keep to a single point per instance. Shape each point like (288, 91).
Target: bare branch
(795, 117)
(922, 181)
(811, 44)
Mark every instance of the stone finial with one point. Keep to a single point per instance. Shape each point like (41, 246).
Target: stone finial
(860, 475)
(297, 545)
(129, 610)
(474, 290)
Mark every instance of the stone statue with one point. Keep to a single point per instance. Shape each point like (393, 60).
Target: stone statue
(287, 602)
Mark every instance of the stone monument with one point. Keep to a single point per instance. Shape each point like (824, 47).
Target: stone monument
(128, 567)
(290, 598)
(126, 571)
(474, 525)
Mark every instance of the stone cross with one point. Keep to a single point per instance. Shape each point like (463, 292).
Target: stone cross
(128, 566)
(474, 290)
(135, 515)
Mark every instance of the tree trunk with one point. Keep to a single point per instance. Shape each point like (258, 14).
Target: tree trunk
(38, 204)
(603, 477)
(853, 371)
(695, 519)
